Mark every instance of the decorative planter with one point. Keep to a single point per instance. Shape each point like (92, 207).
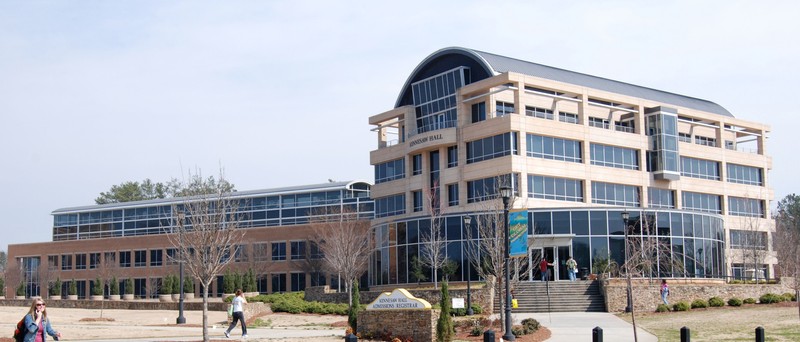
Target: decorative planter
(19, 297)
(72, 297)
(52, 297)
(250, 294)
(96, 297)
(176, 297)
(188, 296)
(165, 298)
(127, 296)
(113, 297)
(2, 297)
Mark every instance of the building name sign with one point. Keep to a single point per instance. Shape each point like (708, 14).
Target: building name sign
(422, 140)
(399, 299)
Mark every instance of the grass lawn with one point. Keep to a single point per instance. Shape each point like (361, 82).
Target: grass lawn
(781, 322)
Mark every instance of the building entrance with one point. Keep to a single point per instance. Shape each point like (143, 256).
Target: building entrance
(555, 255)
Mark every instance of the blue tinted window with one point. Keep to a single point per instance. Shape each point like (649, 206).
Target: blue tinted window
(553, 148)
(492, 147)
(613, 156)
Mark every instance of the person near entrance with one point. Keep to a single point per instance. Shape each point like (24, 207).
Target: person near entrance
(543, 268)
(572, 268)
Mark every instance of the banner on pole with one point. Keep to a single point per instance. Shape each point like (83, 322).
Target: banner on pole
(518, 233)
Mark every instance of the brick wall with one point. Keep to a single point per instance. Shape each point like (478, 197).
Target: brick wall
(324, 294)
(419, 325)
(646, 294)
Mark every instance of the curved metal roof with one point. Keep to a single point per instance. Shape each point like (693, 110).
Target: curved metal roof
(346, 185)
(490, 64)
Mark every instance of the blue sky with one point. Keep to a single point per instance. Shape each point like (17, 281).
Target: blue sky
(94, 93)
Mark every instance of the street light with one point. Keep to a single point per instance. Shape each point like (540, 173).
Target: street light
(180, 319)
(505, 193)
(467, 221)
(625, 217)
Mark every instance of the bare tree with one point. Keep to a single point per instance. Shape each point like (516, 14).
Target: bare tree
(206, 232)
(433, 242)
(787, 242)
(342, 238)
(752, 249)
(485, 250)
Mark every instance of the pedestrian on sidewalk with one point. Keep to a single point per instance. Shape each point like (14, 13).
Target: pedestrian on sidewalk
(238, 303)
(38, 324)
(543, 268)
(572, 268)
(664, 291)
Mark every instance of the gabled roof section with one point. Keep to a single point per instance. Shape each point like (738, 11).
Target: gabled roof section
(489, 64)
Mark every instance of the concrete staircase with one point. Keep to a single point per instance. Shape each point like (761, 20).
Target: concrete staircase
(565, 296)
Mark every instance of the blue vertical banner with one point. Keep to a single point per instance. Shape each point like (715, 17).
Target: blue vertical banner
(518, 233)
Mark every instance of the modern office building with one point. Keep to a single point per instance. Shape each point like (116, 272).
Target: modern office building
(577, 150)
(130, 240)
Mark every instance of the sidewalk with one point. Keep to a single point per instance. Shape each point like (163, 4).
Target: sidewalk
(577, 326)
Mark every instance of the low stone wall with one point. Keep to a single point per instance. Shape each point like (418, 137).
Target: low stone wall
(418, 325)
(324, 294)
(646, 294)
(121, 304)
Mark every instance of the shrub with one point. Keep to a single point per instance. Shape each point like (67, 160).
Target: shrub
(55, 290)
(444, 326)
(735, 302)
(73, 288)
(517, 330)
(97, 288)
(530, 326)
(21, 289)
(166, 286)
(352, 311)
(128, 286)
(681, 306)
(188, 285)
(176, 284)
(749, 301)
(789, 297)
(113, 288)
(2, 286)
(699, 304)
(228, 282)
(476, 331)
(476, 309)
(662, 308)
(770, 298)
(716, 302)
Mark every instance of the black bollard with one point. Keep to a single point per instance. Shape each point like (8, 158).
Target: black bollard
(760, 334)
(686, 335)
(597, 334)
(488, 336)
(351, 338)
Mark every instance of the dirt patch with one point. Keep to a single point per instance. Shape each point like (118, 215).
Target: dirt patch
(465, 326)
(97, 319)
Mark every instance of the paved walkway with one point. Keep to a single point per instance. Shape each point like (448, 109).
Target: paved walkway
(577, 326)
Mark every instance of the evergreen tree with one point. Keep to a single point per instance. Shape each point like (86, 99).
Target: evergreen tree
(355, 305)
(128, 286)
(444, 327)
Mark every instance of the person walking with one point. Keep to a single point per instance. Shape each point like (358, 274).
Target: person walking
(38, 324)
(664, 291)
(572, 268)
(543, 268)
(238, 303)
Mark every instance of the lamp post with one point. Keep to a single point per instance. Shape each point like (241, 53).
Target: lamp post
(505, 193)
(625, 217)
(180, 319)
(467, 221)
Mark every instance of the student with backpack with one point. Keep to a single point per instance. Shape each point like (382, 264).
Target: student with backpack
(37, 325)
